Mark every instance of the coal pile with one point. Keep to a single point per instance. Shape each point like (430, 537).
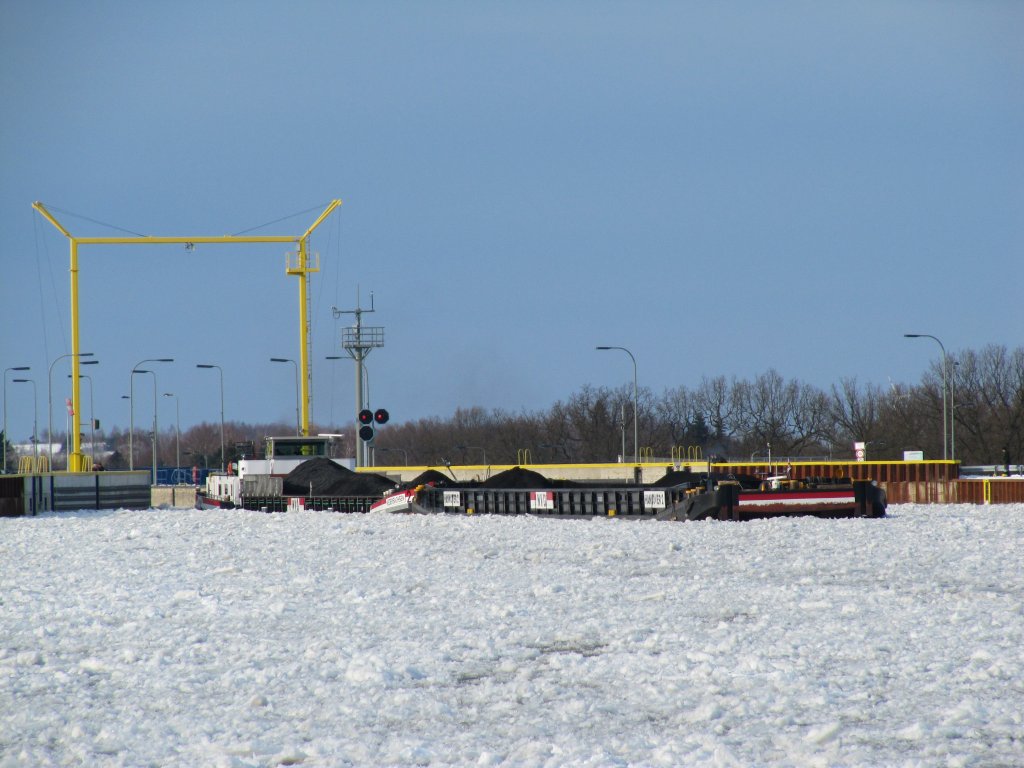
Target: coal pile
(678, 477)
(323, 477)
(432, 477)
(522, 479)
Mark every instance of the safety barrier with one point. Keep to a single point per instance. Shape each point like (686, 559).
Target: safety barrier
(687, 453)
(31, 465)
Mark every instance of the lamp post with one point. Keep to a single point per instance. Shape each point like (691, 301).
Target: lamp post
(130, 409)
(952, 409)
(92, 412)
(155, 462)
(177, 430)
(945, 420)
(131, 399)
(287, 360)
(35, 410)
(7, 435)
(636, 441)
(221, 372)
(49, 402)
(78, 437)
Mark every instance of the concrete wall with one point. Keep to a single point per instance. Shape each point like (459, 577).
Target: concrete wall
(174, 496)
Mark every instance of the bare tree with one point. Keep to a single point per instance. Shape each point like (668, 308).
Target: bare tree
(593, 416)
(855, 414)
(715, 407)
(989, 405)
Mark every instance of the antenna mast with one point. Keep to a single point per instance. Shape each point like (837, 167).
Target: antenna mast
(358, 341)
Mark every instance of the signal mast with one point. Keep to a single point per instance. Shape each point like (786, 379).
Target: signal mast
(358, 341)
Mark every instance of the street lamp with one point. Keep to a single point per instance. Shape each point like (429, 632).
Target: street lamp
(945, 420)
(636, 441)
(221, 372)
(287, 360)
(92, 412)
(35, 410)
(952, 410)
(131, 399)
(69, 442)
(177, 430)
(49, 402)
(7, 435)
(155, 462)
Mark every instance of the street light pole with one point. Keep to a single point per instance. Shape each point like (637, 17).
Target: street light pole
(49, 404)
(131, 399)
(221, 372)
(92, 413)
(35, 411)
(287, 360)
(945, 419)
(952, 409)
(154, 420)
(177, 430)
(636, 432)
(7, 436)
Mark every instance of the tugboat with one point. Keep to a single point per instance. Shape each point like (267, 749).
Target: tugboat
(264, 477)
(779, 496)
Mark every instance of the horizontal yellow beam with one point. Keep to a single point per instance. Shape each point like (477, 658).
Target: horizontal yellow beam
(185, 240)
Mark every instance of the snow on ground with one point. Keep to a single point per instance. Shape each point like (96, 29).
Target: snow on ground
(202, 638)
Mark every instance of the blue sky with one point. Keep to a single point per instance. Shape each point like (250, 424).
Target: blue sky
(720, 187)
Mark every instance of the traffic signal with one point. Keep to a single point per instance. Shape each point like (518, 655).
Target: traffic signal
(366, 416)
(366, 432)
(381, 416)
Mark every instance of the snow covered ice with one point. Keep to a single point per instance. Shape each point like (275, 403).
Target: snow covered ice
(233, 638)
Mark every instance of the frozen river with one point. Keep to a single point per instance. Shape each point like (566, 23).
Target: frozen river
(202, 638)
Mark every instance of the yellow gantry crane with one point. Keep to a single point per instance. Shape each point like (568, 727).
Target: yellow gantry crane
(300, 267)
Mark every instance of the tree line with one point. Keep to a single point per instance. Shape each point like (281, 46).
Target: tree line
(742, 420)
(729, 418)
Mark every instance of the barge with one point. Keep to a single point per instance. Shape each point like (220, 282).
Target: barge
(320, 483)
(695, 498)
